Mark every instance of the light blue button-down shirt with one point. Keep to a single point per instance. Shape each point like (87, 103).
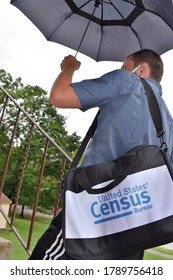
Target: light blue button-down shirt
(124, 121)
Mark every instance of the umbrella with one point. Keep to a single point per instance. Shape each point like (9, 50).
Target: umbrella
(103, 29)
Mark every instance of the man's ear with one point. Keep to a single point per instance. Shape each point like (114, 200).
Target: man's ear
(144, 71)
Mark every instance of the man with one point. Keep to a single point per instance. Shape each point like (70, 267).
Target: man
(124, 121)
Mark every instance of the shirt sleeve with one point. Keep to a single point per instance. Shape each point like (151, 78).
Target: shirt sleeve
(97, 92)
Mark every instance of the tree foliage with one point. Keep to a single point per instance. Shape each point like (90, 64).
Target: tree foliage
(34, 100)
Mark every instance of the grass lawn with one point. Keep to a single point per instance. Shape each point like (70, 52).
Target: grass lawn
(41, 224)
(23, 225)
(149, 256)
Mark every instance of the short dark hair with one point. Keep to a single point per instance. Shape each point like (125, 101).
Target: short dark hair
(153, 59)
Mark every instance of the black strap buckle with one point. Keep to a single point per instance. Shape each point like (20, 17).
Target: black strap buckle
(163, 144)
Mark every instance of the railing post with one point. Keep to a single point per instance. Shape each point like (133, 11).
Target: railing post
(9, 153)
(60, 186)
(3, 112)
(21, 174)
(37, 193)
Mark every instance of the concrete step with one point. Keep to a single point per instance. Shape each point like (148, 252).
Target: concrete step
(5, 249)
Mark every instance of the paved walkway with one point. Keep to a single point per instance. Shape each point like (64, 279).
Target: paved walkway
(29, 211)
(168, 246)
(162, 254)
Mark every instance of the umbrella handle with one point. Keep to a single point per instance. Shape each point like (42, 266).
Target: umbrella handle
(76, 54)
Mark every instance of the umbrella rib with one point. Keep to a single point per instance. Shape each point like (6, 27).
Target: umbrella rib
(95, 7)
(73, 12)
(149, 11)
(98, 54)
(127, 22)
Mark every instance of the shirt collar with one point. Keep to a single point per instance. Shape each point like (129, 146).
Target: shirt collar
(156, 85)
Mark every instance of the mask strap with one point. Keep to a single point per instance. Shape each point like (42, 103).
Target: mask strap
(134, 70)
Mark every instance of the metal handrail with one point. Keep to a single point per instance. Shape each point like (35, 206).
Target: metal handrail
(49, 140)
(37, 125)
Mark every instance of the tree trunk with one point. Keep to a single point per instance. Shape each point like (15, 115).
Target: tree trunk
(22, 211)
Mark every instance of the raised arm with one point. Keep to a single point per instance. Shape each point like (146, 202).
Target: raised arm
(62, 94)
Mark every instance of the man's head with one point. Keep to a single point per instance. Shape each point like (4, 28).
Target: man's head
(149, 62)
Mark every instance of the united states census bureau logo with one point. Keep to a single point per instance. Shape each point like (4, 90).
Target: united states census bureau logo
(124, 202)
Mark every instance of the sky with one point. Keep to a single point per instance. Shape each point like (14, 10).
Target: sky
(25, 53)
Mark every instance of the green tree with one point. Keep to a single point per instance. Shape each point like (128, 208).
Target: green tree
(34, 100)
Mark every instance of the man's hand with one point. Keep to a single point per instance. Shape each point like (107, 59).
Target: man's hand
(62, 93)
(70, 62)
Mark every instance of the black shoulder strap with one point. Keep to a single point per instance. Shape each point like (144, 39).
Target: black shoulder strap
(153, 107)
(155, 114)
(88, 136)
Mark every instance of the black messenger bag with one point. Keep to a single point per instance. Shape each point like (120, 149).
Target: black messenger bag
(116, 208)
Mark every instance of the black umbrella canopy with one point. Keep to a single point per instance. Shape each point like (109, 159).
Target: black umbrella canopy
(103, 29)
